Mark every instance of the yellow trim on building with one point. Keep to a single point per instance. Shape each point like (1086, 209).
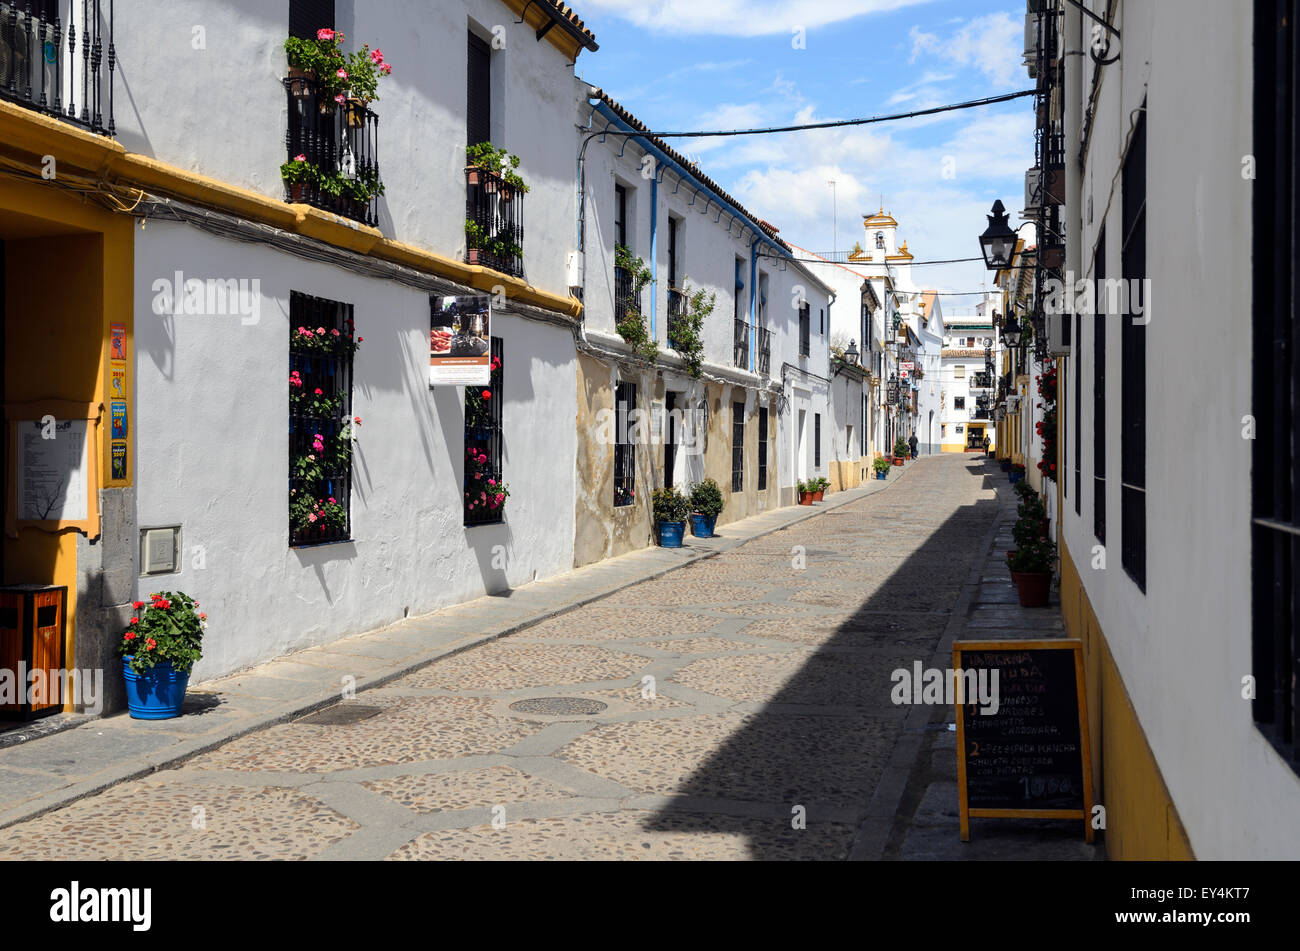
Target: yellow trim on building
(106, 161)
(1142, 821)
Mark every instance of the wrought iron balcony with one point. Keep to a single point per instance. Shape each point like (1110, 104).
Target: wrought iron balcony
(764, 352)
(340, 145)
(57, 57)
(981, 381)
(496, 210)
(676, 310)
(624, 295)
(741, 349)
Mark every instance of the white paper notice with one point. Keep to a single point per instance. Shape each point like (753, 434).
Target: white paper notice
(52, 470)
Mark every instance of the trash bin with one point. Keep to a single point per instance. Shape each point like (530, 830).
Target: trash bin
(33, 621)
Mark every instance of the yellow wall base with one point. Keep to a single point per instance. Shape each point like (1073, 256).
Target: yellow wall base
(1141, 820)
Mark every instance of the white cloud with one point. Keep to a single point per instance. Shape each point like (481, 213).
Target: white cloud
(742, 17)
(993, 44)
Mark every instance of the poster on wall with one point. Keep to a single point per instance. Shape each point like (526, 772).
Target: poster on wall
(119, 420)
(460, 349)
(117, 381)
(119, 459)
(117, 337)
(53, 470)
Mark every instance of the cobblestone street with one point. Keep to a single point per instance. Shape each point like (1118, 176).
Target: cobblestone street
(738, 694)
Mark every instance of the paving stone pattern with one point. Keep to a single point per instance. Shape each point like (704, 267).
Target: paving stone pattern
(748, 717)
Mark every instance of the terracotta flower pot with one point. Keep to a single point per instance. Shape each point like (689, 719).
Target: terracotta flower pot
(898, 460)
(297, 192)
(474, 255)
(806, 498)
(818, 495)
(1033, 587)
(473, 174)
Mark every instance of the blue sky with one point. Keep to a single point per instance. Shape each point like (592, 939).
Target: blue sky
(681, 65)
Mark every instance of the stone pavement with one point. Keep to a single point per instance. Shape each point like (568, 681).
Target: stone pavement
(90, 754)
(742, 710)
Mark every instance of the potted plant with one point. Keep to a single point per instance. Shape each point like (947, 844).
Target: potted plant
(819, 487)
(1016, 472)
(881, 465)
(1031, 570)
(706, 503)
(494, 168)
(670, 511)
(300, 175)
(158, 651)
(805, 493)
(900, 451)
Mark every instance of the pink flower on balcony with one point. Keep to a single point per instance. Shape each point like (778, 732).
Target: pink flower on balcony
(340, 99)
(325, 34)
(311, 516)
(332, 502)
(377, 57)
(300, 158)
(482, 459)
(387, 69)
(500, 498)
(342, 74)
(321, 331)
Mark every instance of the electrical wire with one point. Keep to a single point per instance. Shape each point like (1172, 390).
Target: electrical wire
(833, 124)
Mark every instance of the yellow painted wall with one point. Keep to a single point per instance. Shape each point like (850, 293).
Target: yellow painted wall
(1141, 820)
(69, 274)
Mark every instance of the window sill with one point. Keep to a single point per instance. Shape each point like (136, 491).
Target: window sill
(311, 546)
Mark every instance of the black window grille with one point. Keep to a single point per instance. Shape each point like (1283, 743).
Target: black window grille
(620, 216)
(959, 402)
(321, 335)
(1076, 371)
(762, 449)
(497, 210)
(1275, 529)
(624, 449)
(817, 440)
(672, 252)
(1099, 400)
(737, 447)
(764, 351)
(805, 330)
(307, 17)
(670, 437)
(1133, 364)
(676, 313)
(485, 444)
(478, 91)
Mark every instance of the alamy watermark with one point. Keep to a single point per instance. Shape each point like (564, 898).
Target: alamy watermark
(652, 427)
(1107, 297)
(974, 685)
(41, 688)
(209, 297)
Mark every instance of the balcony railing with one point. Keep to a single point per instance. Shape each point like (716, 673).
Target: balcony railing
(624, 294)
(341, 144)
(57, 57)
(764, 352)
(741, 338)
(981, 381)
(496, 209)
(676, 310)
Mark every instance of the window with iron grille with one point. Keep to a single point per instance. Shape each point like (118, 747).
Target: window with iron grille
(624, 450)
(1275, 525)
(620, 216)
(308, 17)
(484, 408)
(805, 330)
(959, 402)
(321, 344)
(737, 447)
(1133, 365)
(1076, 371)
(478, 91)
(817, 440)
(762, 449)
(1099, 401)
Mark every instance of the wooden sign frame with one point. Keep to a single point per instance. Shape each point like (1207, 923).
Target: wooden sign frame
(35, 410)
(1085, 747)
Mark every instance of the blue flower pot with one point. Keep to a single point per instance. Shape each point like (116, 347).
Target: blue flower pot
(1005, 465)
(157, 694)
(670, 534)
(702, 525)
(881, 474)
(1015, 477)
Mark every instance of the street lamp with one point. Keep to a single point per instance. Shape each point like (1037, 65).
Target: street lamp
(1011, 332)
(998, 242)
(851, 355)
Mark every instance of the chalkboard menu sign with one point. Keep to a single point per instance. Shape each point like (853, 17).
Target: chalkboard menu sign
(1022, 731)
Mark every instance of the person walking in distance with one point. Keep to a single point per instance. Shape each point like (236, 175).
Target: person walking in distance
(912, 443)
(986, 445)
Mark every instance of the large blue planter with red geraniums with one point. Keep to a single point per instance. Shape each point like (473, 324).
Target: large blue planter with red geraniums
(156, 694)
(1015, 476)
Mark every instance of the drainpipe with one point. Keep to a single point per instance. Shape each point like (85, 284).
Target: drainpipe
(654, 257)
(753, 306)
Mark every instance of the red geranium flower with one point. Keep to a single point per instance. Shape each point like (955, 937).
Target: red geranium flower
(130, 636)
(487, 394)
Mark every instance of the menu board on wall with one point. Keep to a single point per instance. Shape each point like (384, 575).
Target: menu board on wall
(53, 475)
(460, 348)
